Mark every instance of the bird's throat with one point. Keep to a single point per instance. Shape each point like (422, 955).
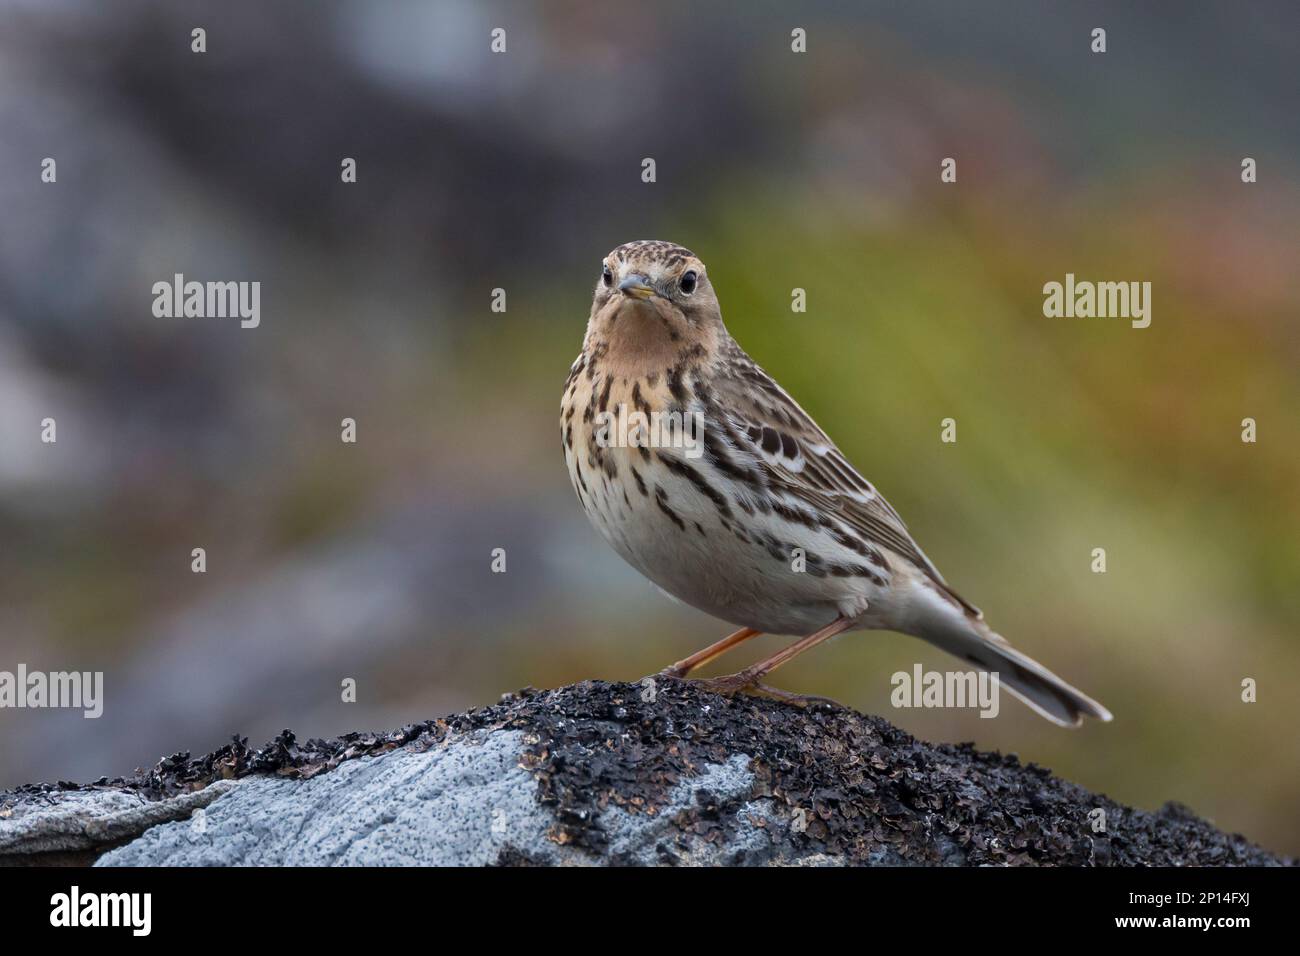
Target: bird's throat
(645, 335)
(640, 334)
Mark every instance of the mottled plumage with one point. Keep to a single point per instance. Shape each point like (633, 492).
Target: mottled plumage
(763, 522)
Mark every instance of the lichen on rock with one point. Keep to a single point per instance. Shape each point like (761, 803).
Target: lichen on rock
(660, 772)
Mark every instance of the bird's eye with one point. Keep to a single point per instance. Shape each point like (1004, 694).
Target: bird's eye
(688, 281)
(606, 276)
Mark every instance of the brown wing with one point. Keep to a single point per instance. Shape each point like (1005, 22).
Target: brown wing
(799, 458)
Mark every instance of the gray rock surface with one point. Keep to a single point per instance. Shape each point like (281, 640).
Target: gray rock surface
(75, 825)
(466, 803)
(654, 773)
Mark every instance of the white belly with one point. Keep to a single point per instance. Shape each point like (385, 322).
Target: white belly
(752, 579)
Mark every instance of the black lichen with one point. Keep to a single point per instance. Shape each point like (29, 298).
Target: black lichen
(834, 783)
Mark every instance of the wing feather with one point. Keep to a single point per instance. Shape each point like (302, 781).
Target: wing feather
(800, 459)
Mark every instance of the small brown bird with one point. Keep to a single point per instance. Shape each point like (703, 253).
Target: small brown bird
(711, 481)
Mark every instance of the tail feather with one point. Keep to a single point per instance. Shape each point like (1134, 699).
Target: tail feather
(969, 638)
(1049, 695)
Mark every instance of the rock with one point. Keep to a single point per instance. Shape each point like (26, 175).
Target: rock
(659, 772)
(74, 826)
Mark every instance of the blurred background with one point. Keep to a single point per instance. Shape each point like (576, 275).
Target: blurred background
(476, 171)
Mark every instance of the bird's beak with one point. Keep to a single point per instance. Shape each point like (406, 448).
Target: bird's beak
(637, 287)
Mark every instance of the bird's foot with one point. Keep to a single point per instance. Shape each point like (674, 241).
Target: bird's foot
(799, 700)
(748, 682)
(728, 685)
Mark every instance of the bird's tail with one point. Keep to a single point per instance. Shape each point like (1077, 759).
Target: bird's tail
(945, 625)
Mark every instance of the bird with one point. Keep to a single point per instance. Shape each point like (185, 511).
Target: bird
(707, 477)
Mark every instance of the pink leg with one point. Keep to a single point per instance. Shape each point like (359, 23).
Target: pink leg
(700, 658)
(751, 675)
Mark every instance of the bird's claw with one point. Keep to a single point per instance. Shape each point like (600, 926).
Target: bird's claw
(729, 685)
(746, 682)
(799, 700)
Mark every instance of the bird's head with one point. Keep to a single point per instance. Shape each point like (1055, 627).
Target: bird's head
(656, 282)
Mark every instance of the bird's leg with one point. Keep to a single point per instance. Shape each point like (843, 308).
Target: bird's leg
(751, 675)
(700, 658)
